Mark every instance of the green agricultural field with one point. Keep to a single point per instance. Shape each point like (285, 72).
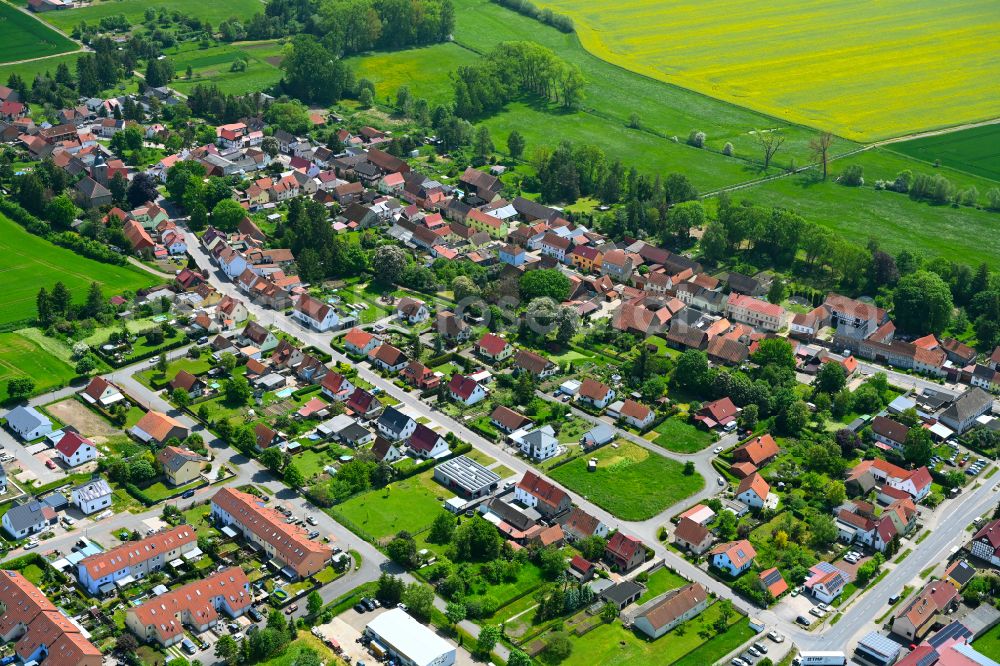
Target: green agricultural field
(961, 234)
(860, 69)
(25, 37)
(134, 11)
(425, 69)
(29, 70)
(975, 150)
(213, 65)
(630, 482)
(21, 357)
(33, 262)
(409, 505)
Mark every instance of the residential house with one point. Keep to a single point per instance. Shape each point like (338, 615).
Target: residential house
(962, 414)
(494, 347)
(38, 631)
(535, 492)
(412, 311)
(916, 617)
(889, 432)
(388, 358)
(22, 520)
(669, 610)
(538, 444)
(636, 414)
(555, 246)
(507, 420)
(260, 337)
(180, 466)
(92, 496)
(753, 491)
(755, 312)
(986, 543)
(690, 536)
(336, 386)
(315, 314)
(190, 384)
(424, 443)
(579, 524)
(288, 544)
(619, 265)
(385, 451)
(265, 437)
(75, 450)
(158, 427)
(916, 482)
(595, 393)
(826, 582)
(197, 605)
(513, 255)
(363, 404)
(535, 364)
(419, 376)
(466, 390)
(758, 451)
(28, 423)
(734, 557)
(479, 186)
(451, 327)
(101, 392)
(360, 342)
(624, 553)
(586, 259)
(718, 413)
(771, 581)
(395, 425)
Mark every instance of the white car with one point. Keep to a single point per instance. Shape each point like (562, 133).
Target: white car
(31, 544)
(717, 449)
(721, 481)
(824, 607)
(775, 636)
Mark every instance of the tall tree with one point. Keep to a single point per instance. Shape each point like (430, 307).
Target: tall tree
(770, 142)
(819, 146)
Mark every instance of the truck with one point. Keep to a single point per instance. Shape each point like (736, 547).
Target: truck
(820, 658)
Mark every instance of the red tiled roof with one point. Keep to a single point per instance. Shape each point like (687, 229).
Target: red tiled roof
(132, 553)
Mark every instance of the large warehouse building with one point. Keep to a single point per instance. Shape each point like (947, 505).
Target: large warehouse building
(408, 641)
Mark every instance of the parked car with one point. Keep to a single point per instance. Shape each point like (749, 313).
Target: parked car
(738, 662)
(775, 636)
(313, 534)
(50, 464)
(894, 598)
(360, 608)
(291, 609)
(760, 647)
(816, 611)
(804, 621)
(311, 520)
(255, 614)
(188, 494)
(823, 607)
(753, 652)
(31, 544)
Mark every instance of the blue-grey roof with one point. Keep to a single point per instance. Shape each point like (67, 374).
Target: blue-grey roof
(878, 644)
(23, 516)
(393, 419)
(26, 418)
(92, 490)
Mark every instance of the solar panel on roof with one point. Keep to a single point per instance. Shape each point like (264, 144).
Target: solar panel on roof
(954, 630)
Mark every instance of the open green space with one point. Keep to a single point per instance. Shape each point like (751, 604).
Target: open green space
(975, 150)
(33, 262)
(134, 11)
(291, 654)
(155, 378)
(860, 69)
(630, 482)
(410, 504)
(613, 644)
(24, 37)
(29, 70)
(161, 490)
(424, 70)
(960, 234)
(988, 644)
(215, 65)
(23, 357)
(680, 437)
(660, 581)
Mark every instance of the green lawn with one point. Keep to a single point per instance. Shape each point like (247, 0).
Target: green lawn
(975, 150)
(613, 644)
(198, 517)
(23, 357)
(155, 378)
(960, 234)
(988, 644)
(662, 580)
(424, 70)
(161, 490)
(134, 10)
(23, 37)
(32, 262)
(295, 648)
(410, 505)
(629, 482)
(680, 437)
(213, 65)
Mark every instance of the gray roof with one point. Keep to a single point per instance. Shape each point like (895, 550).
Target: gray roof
(601, 433)
(622, 591)
(467, 474)
(24, 516)
(393, 419)
(92, 490)
(26, 418)
(970, 404)
(354, 432)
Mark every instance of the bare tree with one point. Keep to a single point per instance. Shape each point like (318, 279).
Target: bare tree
(770, 142)
(820, 148)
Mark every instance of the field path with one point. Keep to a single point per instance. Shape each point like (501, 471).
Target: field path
(54, 55)
(936, 132)
(149, 269)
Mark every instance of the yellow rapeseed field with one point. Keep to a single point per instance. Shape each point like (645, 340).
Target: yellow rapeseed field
(864, 69)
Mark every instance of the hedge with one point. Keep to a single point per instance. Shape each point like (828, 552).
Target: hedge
(67, 239)
(318, 353)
